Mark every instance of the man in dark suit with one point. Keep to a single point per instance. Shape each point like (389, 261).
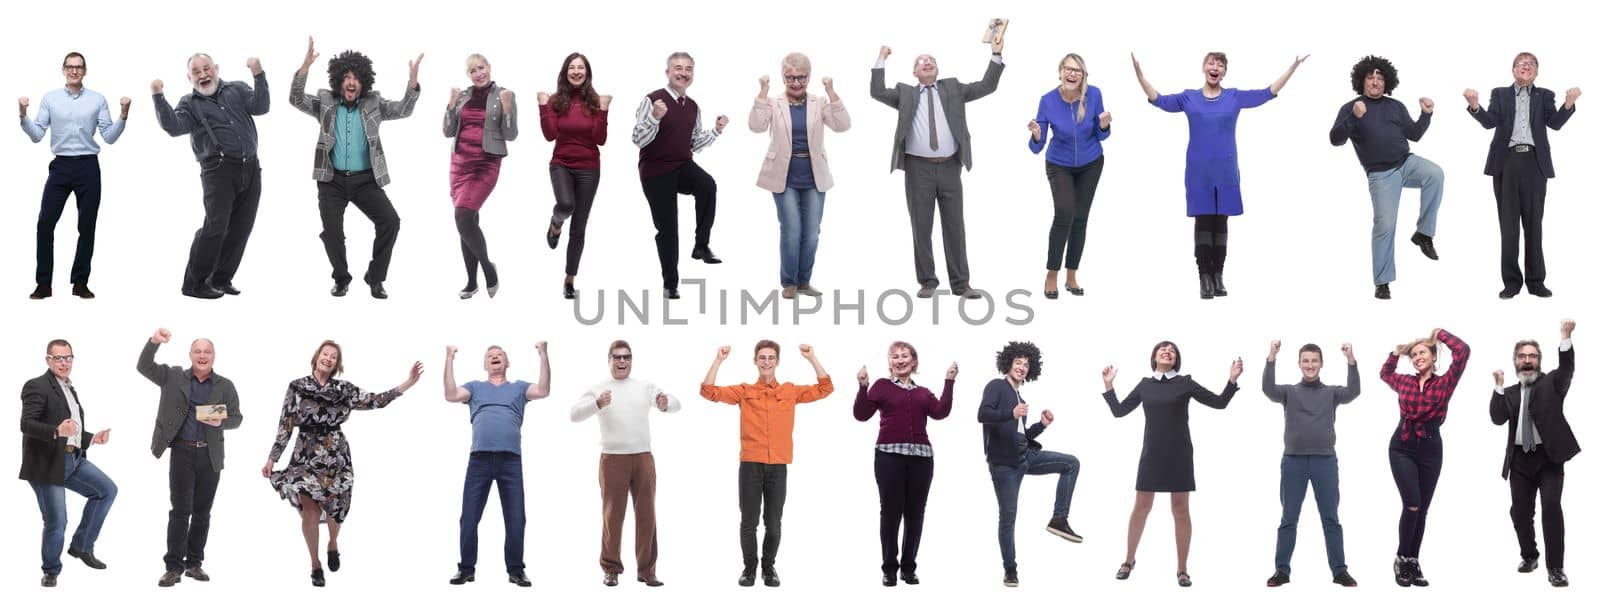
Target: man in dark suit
(1538, 443)
(932, 132)
(55, 459)
(1519, 161)
(188, 423)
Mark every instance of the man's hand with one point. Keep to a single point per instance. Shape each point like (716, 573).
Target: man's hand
(883, 52)
(1349, 353)
(22, 106)
(1499, 379)
(1426, 104)
(807, 353)
(722, 122)
(101, 437)
(603, 400)
(125, 102)
(450, 352)
(155, 87)
(1359, 109)
(658, 109)
(161, 337)
(1019, 412)
(311, 55)
(1566, 328)
(1572, 96)
(661, 401)
(415, 65)
(1109, 376)
(1046, 417)
(254, 64)
(1272, 351)
(1472, 99)
(1235, 370)
(67, 428)
(722, 352)
(542, 347)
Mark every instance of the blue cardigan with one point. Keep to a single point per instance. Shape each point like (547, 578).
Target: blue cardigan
(1074, 143)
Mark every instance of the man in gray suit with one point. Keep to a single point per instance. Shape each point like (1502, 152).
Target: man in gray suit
(931, 133)
(188, 423)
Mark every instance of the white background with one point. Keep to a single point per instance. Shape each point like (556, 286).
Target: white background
(1299, 271)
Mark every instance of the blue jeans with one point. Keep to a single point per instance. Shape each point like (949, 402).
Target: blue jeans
(799, 221)
(1385, 188)
(1008, 482)
(484, 469)
(86, 479)
(1323, 474)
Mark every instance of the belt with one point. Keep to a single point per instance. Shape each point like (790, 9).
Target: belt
(352, 172)
(186, 442)
(1521, 148)
(231, 159)
(77, 157)
(72, 448)
(801, 154)
(932, 160)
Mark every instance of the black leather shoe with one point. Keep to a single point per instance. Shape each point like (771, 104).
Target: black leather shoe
(520, 579)
(462, 577)
(1382, 292)
(552, 236)
(968, 292)
(1507, 293)
(1207, 287)
(82, 291)
(1052, 294)
(769, 576)
(1217, 288)
(568, 291)
(1416, 574)
(170, 578)
(1426, 244)
(340, 289)
(87, 558)
(317, 579)
(651, 581)
(227, 289)
(1278, 579)
(1558, 579)
(1184, 580)
(610, 579)
(909, 577)
(747, 577)
(379, 293)
(1011, 578)
(672, 293)
(1528, 565)
(1125, 570)
(925, 292)
(1540, 291)
(889, 580)
(1345, 579)
(198, 574)
(203, 292)
(40, 292)
(48, 581)
(333, 560)
(1075, 291)
(704, 255)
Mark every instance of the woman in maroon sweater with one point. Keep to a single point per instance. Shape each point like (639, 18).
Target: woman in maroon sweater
(575, 118)
(903, 463)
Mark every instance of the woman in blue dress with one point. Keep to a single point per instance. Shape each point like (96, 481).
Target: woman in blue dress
(1211, 176)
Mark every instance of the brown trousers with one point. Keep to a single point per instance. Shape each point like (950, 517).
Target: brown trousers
(621, 476)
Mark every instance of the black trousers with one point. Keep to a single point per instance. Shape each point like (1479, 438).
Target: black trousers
(232, 193)
(662, 194)
(1534, 474)
(1519, 196)
(574, 191)
(903, 484)
(1072, 190)
(78, 176)
(193, 485)
(762, 488)
(361, 189)
(1415, 464)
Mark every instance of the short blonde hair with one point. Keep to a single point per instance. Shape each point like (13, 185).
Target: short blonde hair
(476, 57)
(798, 61)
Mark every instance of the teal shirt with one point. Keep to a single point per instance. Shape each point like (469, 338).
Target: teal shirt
(350, 152)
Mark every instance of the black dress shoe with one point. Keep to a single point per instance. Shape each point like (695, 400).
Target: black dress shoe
(520, 579)
(888, 579)
(1382, 292)
(198, 574)
(1426, 244)
(909, 577)
(333, 560)
(704, 255)
(747, 577)
(925, 292)
(462, 577)
(1011, 578)
(1558, 578)
(552, 235)
(1125, 570)
(1217, 288)
(610, 579)
(317, 579)
(227, 289)
(1207, 287)
(82, 291)
(379, 293)
(203, 292)
(170, 578)
(1540, 291)
(651, 581)
(87, 558)
(48, 581)
(1528, 565)
(568, 291)
(40, 292)
(1278, 579)
(672, 293)
(340, 289)
(1507, 293)
(769, 576)
(1345, 579)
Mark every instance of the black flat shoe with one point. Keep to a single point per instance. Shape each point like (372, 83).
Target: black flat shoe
(1075, 291)
(1541, 292)
(48, 581)
(1528, 565)
(888, 579)
(203, 292)
(41, 292)
(87, 558)
(339, 289)
(1382, 292)
(462, 577)
(225, 289)
(704, 255)
(909, 577)
(1508, 293)
(1183, 579)
(520, 579)
(552, 236)
(317, 579)
(379, 293)
(769, 576)
(1125, 570)
(333, 560)
(568, 291)
(1052, 294)
(672, 293)
(1426, 244)
(1278, 579)
(1558, 579)
(83, 291)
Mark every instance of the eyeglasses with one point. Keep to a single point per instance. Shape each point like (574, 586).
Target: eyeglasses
(1072, 70)
(60, 358)
(74, 67)
(1534, 64)
(625, 357)
(796, 79)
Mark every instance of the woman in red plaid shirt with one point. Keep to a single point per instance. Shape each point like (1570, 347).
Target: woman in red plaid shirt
(1416, 450)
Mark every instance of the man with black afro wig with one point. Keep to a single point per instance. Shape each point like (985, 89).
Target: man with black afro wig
(348, 164)
(1380, 127)
(1012, 451)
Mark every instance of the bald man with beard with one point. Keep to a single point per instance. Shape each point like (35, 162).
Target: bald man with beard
(196, 405)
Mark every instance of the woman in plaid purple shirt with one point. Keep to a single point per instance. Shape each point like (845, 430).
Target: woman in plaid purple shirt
(1416, 451)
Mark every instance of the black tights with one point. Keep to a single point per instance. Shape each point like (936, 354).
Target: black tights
(474, 250)
(1210, 242)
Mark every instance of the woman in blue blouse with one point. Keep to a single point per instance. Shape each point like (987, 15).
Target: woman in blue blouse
(1211, 176)
(1072, 165)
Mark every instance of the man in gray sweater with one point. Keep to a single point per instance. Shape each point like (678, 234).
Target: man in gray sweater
(1309, 407)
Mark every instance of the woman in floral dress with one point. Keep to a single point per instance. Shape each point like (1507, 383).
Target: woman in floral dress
(320, 477)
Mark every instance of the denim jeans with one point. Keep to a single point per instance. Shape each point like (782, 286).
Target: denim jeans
(799, 221)
(1385, 187)
(1008, 482)
(86, 479)
(484, 469)
(1322, 472)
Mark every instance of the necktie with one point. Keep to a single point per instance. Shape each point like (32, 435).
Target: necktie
(933, 124)
(1525, 422)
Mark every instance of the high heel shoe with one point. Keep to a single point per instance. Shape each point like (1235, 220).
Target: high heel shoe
(316, 577)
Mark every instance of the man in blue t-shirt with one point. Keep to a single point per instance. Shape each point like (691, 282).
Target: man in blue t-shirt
(496, 405)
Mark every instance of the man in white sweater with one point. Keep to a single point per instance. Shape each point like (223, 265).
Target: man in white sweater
(626, 467)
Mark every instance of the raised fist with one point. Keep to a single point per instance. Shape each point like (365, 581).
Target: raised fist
(1499, 378)
(722, 122)
(162, 336)
(950, 374)
(1472, 98)
(1426, 104)
(861, 376)
(254, 64)
(883, 52)
(544, 98)
(722, 352)
(659, 109)
(450, 351)
(1359, 109)
(1272, 351)
(156, 87)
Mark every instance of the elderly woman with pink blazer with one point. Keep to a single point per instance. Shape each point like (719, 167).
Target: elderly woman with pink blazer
(796, 167)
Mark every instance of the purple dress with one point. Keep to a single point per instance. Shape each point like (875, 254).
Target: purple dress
(473, 173)
(1211, 176)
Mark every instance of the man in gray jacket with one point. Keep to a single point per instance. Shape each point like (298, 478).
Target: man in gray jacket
(1309, 407)
(196, 406)
(349, 165)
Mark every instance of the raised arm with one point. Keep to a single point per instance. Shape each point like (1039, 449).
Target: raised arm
(657, 396)
(1150, 93)
(508, 115)
(1284, 79)
(452, 391)
(1563, 372)
(367, 400)
(824, 385)
(878, 88)
(865, 406)
(1415, 130)
(311, 105)
(708, 388)
(36, 127)
(1352, 380)
(1275, 393)
(601, 120)
(1214, 400)
(1459, 354)
(701, 138)
(175, 122)
(989, 83)
(761, 112)
(394, 110)
(110, 130)
(542, 389)
(1499, 404)
(946, 403)
(257, 98)
(834, 115)
(1129, 403)
(1556, 118)
(147, 365)
(1487, 117)
(1345, 122)
(647, 121)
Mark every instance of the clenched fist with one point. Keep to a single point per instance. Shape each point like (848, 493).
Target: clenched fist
(1359, 109)
(1426, 104)
(722, 122)
(161, 337)
(659, 109)
(155, 87)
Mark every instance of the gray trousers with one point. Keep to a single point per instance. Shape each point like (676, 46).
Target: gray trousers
(931, 185)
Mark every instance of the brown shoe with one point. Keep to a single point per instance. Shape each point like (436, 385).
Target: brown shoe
(82, 291)
(198, 574)
(610, 579)
(172, 576)
(808, 290)
(650, 581)
(788, 292)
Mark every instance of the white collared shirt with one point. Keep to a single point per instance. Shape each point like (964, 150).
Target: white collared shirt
(74, 410)
(1168, 375)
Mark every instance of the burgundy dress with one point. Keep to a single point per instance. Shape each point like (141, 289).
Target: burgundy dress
(473, 173)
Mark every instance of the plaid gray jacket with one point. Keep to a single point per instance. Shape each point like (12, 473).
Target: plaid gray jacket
(374, 110)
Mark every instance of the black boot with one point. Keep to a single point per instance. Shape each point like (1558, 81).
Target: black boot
(1207, 287)
(1217, 288)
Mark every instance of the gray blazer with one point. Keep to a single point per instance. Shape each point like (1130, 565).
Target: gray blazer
(174, 405)
(374, 110)
(499, 123)
(953, 96)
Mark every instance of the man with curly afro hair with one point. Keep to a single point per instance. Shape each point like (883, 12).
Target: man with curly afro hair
(1380, 127)
(1013, 452)
(348, 164)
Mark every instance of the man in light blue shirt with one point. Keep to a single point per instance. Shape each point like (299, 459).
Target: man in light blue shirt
(71, 114)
